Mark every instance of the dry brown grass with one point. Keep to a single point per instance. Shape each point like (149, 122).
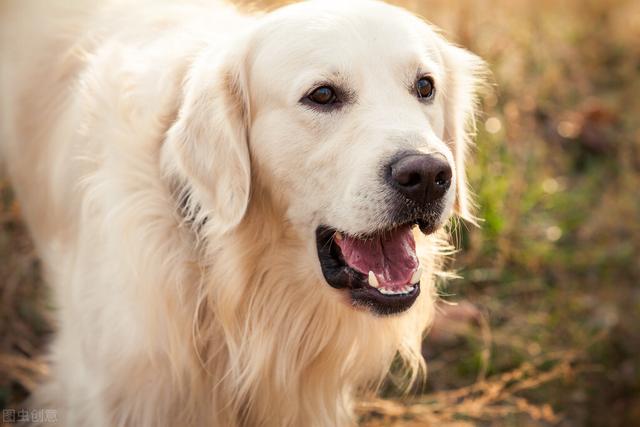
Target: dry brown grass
(23, 307)
(486, 400)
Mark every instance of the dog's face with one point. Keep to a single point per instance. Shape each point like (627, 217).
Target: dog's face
(354, 115)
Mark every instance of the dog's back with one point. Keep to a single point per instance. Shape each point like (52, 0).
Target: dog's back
(36, 76)
(53, 55)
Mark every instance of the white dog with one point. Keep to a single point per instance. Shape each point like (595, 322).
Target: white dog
(225, 204)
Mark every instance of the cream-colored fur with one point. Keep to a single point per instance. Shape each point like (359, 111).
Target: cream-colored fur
(172, 183)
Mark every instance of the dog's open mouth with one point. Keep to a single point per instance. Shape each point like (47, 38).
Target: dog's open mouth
(381, 271)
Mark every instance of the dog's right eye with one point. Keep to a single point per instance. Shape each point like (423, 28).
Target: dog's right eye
(323, 95)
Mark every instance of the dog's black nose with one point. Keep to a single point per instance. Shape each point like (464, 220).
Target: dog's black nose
(422, 178)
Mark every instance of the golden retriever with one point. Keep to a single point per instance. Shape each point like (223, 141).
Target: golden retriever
(231, 209)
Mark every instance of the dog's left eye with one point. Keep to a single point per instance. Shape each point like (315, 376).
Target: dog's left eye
(323, 95)
(425, 88)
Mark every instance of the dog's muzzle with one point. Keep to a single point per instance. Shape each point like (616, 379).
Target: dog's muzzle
(380, 269)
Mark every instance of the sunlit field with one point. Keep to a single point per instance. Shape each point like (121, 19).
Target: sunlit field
(542, 327)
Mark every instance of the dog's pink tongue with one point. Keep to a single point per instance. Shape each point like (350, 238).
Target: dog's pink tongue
(391, 256)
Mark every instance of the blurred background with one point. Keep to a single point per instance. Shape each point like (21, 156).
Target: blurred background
(542, 328)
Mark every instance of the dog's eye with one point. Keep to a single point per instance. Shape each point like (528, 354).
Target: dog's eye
(425, 88)
(323, 95)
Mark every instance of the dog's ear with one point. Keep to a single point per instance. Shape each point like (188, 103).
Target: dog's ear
(207, 149)
(465, 73)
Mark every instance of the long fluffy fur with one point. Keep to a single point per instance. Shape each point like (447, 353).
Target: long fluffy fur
(164, 318)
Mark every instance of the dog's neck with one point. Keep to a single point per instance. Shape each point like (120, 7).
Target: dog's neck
(287, 335)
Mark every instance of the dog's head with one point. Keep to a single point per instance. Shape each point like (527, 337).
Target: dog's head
(353, 116)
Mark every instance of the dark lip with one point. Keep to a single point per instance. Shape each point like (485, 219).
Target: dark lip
(339, 275)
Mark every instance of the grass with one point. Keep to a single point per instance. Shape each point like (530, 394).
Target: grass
(544, 332)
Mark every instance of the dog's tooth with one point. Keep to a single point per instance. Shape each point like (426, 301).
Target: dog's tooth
(397, 291)
(338, 236)
(373, 280)
(416, 276)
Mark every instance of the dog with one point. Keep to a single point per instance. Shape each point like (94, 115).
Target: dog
(240, 216)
